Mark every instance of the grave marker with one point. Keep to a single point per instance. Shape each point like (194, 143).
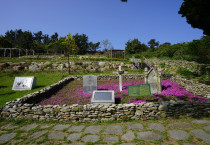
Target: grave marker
(24, 83)
(89, 83)
(139, 90)
(103, 97)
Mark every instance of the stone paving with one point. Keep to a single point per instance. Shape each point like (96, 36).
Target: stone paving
(125, 133)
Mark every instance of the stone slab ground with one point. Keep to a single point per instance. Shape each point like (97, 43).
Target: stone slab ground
(185, 131)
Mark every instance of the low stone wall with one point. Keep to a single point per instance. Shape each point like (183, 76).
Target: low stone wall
(63, 66)
(27, 107)
(92, 112)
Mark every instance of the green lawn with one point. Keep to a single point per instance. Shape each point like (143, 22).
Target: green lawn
(6, 82)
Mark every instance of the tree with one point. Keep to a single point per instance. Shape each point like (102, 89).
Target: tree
(28, 40)
(94, 46)
(4, 43)
(197, 13)
(54, 37)
(135, 46)
(82, 43)
(153, 44)
(11, 36)
(46, 39)
(38, 36)
(71, 44)
(107, 45)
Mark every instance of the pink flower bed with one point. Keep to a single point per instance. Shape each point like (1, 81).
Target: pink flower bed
(73, 93)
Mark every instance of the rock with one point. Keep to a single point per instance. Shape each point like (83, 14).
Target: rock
(76, 128)
(149, 135)
(56, 135)
(18, 68)
(114, 129)
(101, 64)
(178, 134)
(74, 136)
(37, 134)
(201, 134)
(7, 137)
(33, 67)
(111, 139)
(3, 65)
(207, 128)
(129, 136)
(137, 126)
(60, 127)
(45, 126)
(29, 127)
(9, 126)
(200, 121)
(181, 125)
(91, 138)
(93, 129)
(156, 126)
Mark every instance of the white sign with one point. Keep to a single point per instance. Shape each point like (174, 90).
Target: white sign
(103, 97)
(24, 83)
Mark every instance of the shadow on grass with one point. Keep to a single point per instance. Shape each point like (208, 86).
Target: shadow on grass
(7, 93)
(40, 86)
(3, 87)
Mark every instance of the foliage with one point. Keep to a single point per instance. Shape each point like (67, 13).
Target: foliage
(94, 46)
(135, 46)
(4, 43)
(186, 73)
(81, 41)
(153, 44)
(197, 13)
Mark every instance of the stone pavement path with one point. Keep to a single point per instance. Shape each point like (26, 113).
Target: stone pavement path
(187, 132)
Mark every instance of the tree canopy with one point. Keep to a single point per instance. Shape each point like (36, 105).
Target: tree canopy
(197, 13)
(135, 46)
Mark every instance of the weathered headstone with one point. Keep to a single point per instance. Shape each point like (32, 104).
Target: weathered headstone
(152, 77)
(139, 90)
(103, 97)
(89, 83)
(24, 83)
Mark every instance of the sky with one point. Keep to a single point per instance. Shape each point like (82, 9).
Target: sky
(100, 19)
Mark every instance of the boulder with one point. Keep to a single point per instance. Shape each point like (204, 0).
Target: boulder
(33, 67)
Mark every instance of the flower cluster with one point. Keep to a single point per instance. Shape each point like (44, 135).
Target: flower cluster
(73, 93)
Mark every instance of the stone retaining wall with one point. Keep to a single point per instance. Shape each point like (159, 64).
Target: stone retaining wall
(26, 107)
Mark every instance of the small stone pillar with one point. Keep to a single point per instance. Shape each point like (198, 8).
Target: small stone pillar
(120, 72)
(146, 75)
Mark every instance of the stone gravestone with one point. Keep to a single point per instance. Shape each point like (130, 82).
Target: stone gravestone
(89, 83)
(139, 90)
(24, 83)
(103, 97)
(152, 77)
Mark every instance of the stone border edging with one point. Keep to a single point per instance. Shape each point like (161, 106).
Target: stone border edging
(26, 107)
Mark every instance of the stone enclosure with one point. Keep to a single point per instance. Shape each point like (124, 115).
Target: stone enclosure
(27, 107)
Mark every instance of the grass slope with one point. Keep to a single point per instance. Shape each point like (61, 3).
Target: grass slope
(7, 79)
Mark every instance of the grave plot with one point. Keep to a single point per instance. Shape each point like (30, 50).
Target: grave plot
(73, 93)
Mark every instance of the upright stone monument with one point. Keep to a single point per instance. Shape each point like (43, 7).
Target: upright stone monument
(152, 77)
(120, 72)
(89, 83)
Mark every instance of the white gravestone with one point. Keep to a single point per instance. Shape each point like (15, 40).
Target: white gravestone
(103, 97)
(89, 83)
(24, 83)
